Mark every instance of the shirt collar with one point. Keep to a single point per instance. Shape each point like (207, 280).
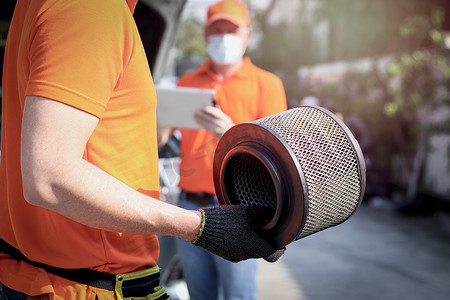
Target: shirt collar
(132, 4)
(241, 72)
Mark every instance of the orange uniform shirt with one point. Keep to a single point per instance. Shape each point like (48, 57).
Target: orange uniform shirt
(89, 55)
(249, 94)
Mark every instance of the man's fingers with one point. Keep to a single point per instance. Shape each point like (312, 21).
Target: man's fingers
(203, 117)
(213, 120)
(213, 111)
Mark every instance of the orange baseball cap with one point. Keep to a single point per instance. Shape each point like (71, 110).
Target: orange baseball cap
(234, 11)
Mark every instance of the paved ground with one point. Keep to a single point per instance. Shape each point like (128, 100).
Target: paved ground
(376, 254)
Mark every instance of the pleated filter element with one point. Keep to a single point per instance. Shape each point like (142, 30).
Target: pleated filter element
(303, 167)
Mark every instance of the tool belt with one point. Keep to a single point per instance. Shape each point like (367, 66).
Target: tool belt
(136, 285)
(201, 199)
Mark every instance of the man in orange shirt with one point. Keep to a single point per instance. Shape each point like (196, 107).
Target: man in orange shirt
(79, 184)
(244, 93)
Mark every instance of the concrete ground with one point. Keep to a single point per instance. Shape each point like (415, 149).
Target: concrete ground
(376, 254)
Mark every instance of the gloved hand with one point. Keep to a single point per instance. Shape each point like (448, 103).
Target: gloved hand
(228, 231)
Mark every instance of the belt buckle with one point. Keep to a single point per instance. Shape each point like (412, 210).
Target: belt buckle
(140, 285)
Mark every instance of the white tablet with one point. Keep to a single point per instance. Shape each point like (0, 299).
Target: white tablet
(177, 105)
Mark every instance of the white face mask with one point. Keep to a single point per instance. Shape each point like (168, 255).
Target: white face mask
(225, 49)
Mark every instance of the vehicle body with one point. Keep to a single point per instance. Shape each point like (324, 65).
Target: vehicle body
(157, 21)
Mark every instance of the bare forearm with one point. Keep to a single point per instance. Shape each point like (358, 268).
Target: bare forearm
(88, 195)
(56, 177)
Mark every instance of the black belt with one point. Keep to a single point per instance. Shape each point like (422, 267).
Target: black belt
(139, 287)
(201, 199)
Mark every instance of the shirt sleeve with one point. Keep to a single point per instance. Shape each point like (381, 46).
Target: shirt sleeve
(78, 51)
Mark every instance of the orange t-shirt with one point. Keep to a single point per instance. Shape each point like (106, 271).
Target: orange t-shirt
(249, 94)
(89, 55)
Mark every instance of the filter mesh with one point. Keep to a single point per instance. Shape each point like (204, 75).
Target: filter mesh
(251, 182)
(328, 161)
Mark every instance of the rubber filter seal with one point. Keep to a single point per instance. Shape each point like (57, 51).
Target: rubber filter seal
(254, 166)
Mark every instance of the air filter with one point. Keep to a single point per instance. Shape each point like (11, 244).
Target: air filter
(303, 167)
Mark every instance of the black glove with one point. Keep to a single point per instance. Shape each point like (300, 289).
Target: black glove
(228, 231)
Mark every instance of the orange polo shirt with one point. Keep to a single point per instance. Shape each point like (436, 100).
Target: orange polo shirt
(86, 54)
(249, 94)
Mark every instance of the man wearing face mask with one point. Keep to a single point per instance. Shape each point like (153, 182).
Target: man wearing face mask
(244, 93)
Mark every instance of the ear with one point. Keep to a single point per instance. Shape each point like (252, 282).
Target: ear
(247, 35)
(249, 29)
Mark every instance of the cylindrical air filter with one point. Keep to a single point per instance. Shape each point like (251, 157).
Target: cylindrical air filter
(303, 167)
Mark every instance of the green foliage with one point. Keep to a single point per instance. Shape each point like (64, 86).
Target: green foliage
(190, 41)
(387, 97)
(395, 99)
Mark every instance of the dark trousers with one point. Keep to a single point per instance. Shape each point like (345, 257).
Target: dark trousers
(9, 294)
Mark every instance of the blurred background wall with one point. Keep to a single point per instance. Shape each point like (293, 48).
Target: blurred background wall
(383, 66)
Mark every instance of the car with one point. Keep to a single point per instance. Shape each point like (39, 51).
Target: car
(164, 16)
